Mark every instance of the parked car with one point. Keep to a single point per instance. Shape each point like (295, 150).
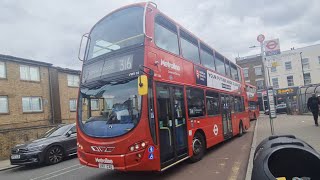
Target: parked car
(50, 148)
(281, 108)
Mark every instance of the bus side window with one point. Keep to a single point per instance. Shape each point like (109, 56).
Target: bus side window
(237, 104)
(220, 68)
(239, 74)
(206, 56)
(166, 36)
(212, 101)
(195, 101)
(227, 64)
(189, 47)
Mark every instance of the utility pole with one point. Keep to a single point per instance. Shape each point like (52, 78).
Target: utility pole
(302, 69)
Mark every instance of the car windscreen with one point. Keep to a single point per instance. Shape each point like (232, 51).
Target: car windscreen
(56, 131)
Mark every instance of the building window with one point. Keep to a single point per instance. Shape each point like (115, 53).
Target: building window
(195, 99)
(212, 100)
(4, 104)
(94, 104)
(288, 65)
(258, 71)
(274, 69)
(307, 78)
(260, 84)
(246, 73)
(290, 80)
(73, 104)
(73, 80)
(166, 35)
(29, 73)
(3, 73)
(305, 63)
(31, 104)
(275, 83)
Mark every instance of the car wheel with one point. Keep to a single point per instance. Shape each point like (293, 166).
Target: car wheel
(54, 155)
(198, 147)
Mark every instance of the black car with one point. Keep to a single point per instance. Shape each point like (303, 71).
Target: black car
(51, 148)
(281, 108)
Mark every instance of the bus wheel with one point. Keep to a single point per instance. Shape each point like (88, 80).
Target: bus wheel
(198, 147)
(240, 129)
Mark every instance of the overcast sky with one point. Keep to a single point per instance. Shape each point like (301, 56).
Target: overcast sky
(50, 31)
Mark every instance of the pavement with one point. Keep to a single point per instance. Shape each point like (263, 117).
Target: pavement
(5, 164)
(301, 126)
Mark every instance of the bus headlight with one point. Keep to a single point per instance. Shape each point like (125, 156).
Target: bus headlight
(138, 146)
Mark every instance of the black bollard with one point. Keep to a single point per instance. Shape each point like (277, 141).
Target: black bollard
(285, 156)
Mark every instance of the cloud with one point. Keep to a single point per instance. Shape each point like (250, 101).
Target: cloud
(51, 30)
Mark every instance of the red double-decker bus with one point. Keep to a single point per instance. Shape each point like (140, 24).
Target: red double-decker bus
(252, 95)
(152, 94)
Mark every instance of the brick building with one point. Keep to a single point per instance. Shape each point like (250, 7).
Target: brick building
(65, 85)
(253, 70)
(24, 92)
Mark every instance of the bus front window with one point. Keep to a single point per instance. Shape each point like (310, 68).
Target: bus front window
(118, 30)
(110, 110)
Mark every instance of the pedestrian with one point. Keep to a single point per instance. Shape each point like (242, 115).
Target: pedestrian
(319, 101)
(313, 106)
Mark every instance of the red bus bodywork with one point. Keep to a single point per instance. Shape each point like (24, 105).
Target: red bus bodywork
(252, 95)
(116, 151)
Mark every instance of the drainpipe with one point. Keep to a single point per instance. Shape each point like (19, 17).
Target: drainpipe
(51, 96)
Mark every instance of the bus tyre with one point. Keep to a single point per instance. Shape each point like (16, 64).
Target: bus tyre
(198, 147)
(241, 129)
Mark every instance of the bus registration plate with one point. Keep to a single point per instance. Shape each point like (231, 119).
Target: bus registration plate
(106, 166)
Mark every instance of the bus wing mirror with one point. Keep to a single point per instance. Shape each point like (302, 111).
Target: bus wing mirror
(142, 85)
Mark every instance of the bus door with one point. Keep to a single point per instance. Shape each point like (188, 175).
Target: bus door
(226, 115)
(172, 123)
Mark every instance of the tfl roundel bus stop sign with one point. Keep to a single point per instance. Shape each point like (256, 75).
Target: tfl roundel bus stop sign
(272, 47)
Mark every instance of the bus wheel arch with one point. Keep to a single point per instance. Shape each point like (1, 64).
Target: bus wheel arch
(199, 146)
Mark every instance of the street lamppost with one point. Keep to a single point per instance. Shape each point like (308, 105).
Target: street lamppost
(302, 69)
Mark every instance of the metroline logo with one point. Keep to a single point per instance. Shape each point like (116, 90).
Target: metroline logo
(105, 160)
(169, 65)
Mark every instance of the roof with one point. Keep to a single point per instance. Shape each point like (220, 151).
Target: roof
(23, 60)
(67, 70)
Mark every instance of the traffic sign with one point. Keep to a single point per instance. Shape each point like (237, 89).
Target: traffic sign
(272, 47)
(272, 44)
(260, 38)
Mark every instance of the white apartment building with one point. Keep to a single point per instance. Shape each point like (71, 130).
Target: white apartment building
(296, 67)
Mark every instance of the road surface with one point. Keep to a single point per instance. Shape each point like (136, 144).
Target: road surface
(227, 161)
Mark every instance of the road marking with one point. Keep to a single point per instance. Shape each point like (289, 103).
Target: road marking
(55, 172)
(63, 173)
(235, 171)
